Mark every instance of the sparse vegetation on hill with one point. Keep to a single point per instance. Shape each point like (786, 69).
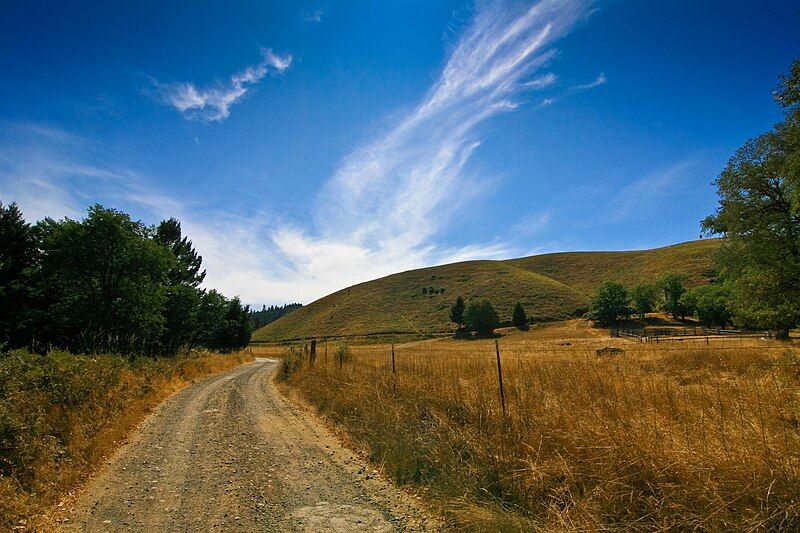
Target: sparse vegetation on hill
(585, 271)
(549, 287)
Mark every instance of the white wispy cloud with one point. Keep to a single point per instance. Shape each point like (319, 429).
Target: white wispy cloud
(392, 196)
(314, 17)
(386, 206)
(597, 82)
(213, 103)
(639, 198)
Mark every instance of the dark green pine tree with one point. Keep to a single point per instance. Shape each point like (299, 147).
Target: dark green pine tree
(187, 271)
(457, 311)
(518, 317)
(18, 258)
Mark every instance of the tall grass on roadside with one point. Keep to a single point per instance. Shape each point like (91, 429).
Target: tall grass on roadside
(61, 413)
(660, 438)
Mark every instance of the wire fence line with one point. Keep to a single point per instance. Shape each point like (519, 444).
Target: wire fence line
(394, 365)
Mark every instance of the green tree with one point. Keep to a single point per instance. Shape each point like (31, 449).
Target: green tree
(188, 262)
(18, 259)
(644, 298)
(759, 214)
(103, 283)
(673, 287)
(481, 317)
(610, 303)
(710, 303)
(518, 316)
(181, 309)
(223, 324)
(457, 311)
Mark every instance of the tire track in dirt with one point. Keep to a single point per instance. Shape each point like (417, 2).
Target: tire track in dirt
(231, 454)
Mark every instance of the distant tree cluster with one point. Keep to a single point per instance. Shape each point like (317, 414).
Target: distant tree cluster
(270, 314)
(109, 283)
(709, 303)
(479, 316)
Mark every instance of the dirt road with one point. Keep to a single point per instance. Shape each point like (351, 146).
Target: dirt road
(231, 454)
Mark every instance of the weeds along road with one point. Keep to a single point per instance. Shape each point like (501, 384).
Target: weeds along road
(231, 454)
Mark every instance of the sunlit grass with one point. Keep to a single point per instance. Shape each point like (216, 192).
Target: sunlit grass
(669, 436)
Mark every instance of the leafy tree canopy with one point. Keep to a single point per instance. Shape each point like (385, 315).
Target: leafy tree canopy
(481, 317)
(759, 214)
(610, 303)
(644, 298)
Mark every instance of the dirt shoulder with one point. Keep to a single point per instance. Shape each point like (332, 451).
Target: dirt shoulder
(230, 453)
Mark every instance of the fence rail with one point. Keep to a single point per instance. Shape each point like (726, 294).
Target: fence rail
(686, 333)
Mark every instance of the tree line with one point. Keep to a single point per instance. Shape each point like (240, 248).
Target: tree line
(109, 283)
(759, 218)
(270, 314)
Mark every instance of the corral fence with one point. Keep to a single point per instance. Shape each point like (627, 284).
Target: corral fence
(687, 333)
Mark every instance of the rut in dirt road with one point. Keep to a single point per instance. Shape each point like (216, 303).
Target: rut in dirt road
(230, 453)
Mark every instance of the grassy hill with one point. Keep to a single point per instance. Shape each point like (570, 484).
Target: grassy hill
(550, 287)
(584, 271)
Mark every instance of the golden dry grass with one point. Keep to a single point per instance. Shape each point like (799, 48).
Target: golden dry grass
(61, 414)
(671, 436)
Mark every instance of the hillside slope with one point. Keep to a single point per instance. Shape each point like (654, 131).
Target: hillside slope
(584, 271)
(550, 287)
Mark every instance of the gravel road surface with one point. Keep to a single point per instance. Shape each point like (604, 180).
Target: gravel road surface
(231, 454)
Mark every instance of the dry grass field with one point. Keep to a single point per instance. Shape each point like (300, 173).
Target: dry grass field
(668, 436)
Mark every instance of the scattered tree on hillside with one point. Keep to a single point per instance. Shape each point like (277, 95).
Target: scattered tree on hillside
(457, 311)
(673, 287)
(610, 303)
(518, 317)
(644, 298)
(759, 214)
(481, 317)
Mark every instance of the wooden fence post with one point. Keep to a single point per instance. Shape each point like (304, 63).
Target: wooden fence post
(341, 358)
(500, 377)
(313, 355)
(394, 373)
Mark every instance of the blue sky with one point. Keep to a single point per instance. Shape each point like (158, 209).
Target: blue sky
(310, 146)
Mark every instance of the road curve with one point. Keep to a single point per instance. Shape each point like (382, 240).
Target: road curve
(231, 454)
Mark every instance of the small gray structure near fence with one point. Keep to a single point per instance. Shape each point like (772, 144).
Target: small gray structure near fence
(686, 333)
